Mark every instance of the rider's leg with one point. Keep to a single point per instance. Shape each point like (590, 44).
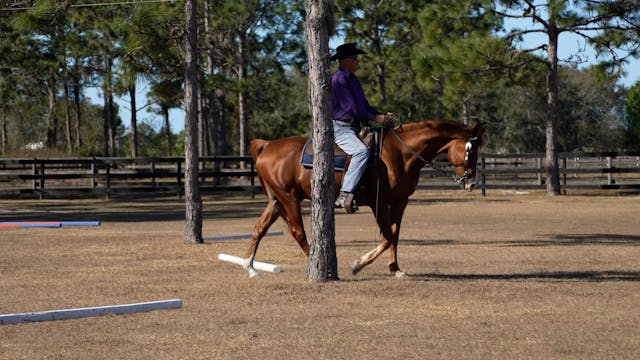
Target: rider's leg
(347, 139)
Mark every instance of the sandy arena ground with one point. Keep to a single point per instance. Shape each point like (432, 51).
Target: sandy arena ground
(507, 276)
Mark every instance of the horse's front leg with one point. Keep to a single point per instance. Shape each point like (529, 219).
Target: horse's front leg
(383, 220)
(269, 216)
(396, 212)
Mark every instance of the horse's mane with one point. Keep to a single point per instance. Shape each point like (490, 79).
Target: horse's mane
(446, 128)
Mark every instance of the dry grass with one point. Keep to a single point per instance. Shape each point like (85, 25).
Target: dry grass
(501, 277)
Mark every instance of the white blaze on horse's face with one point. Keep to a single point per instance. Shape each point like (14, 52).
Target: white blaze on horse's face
(471, 154)
(464, 160)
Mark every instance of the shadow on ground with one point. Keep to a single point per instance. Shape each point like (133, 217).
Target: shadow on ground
(593, 276)
(127, 211)
(552, 240)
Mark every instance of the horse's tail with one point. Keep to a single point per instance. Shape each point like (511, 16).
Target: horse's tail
(256, 146)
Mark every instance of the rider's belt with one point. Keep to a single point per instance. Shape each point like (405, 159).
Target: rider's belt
(348, 122)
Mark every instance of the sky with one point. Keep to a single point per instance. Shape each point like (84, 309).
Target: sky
(569, 44)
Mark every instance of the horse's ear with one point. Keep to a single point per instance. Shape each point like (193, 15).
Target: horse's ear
(478, 129)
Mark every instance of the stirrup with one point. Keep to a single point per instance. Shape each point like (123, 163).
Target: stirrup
(351, 207)
(346, 201)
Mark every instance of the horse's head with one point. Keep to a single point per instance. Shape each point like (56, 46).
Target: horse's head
(463, 156)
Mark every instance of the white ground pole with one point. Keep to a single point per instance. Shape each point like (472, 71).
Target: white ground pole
(240, 236)
(89, 312)
(256, 264)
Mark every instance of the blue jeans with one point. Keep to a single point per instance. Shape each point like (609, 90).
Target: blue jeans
(347, 139)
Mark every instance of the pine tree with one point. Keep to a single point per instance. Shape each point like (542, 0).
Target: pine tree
(193, 218)
(322, 263)
(608, 25)
(633, 117)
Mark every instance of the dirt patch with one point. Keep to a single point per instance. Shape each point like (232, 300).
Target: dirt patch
(501, 277)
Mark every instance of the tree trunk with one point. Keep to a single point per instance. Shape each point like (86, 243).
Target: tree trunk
(112, 124)
(76, 107)
(3, 129)
(440, 96)
(221, 115)
(214, 124)
(213, 121)
(242, 98)
(322, 263)
(551, 156)
(380, 69)
(167, 125)
(193, 201)
(218, 127)
(107, 110)
(52, 118)
(134, 122)
(202, 119)
(67, 117)
(466, 112)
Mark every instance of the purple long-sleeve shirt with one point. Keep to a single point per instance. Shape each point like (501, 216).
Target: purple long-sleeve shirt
(348, 101)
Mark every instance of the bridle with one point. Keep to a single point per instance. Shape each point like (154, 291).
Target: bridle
(468, 146)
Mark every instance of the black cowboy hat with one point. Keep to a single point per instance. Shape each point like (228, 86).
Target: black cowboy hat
(346, 50)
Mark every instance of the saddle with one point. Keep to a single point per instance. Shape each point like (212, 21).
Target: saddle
(366, 134)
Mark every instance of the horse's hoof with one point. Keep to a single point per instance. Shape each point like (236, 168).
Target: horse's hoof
(401, 275)
(252, 272)
(355, 268)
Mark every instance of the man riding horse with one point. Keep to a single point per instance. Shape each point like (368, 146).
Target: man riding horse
(350, 110)
(403, 152)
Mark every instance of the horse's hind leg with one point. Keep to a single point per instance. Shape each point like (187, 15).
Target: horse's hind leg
(293, 213)
(389, 219)
(269, 216)
(397, 210)
(385, 230)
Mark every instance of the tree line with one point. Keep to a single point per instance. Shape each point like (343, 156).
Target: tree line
(435, 59)
(241, 67)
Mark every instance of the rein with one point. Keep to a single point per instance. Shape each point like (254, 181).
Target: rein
(432, 164)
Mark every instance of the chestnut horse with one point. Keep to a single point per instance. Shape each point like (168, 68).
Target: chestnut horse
(405, 150)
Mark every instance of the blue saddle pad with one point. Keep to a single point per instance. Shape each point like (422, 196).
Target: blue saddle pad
(307, 157)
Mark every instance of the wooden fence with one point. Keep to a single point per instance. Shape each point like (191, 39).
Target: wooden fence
(69, 177)
(588, 171)
(61, 177)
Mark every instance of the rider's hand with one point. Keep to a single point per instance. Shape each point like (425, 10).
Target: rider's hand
(384, 118)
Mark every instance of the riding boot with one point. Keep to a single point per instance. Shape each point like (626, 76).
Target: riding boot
(346, 201)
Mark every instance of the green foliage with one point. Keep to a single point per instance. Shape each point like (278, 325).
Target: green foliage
(153, 142)
(283, 109)
(590, 112)
(388, 31)
(632, 110)
(458, 57)
(425, 59)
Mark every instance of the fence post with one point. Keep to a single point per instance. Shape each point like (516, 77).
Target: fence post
(564, 175)
(93, 173)
(609, 173)
(483, 162)
(179, 177)
(41, 177)
(539, 173)
(108, 164)
(154, 183)
(34, 172)
(252, 181)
